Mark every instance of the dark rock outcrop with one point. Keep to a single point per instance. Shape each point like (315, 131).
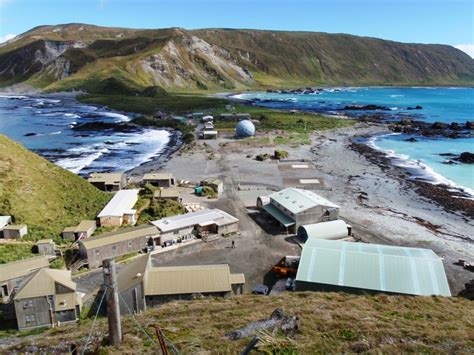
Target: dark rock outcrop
(466, 158)
(365, 108)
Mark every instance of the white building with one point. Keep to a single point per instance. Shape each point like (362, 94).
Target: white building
(120, 210)
(208, 221)
(294, 207)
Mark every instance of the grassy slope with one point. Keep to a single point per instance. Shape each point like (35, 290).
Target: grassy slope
(41, 194)
(330, 323)
(281, 58)
(147, 105)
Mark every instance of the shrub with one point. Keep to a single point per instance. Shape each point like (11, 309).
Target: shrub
(188, 138)
(165, 208)
(280, 154)
(262, 157)
(154, 91)
(209, 192)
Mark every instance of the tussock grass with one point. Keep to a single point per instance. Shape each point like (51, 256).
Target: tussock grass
(149, 105)
(330, 322)
(15, 251)
(42, 195)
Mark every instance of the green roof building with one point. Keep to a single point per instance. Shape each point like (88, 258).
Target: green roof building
(328, 265)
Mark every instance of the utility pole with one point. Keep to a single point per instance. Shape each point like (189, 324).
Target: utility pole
(112, 299)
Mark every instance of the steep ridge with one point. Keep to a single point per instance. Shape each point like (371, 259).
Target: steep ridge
(77, 56)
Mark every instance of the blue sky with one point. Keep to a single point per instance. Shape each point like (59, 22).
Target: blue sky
(424, 21)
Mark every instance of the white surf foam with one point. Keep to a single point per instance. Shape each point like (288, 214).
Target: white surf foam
(72, 115)
(119, 116)
(422, 170)
(48, 134)
(75, 165)
(53, 101)
(18, 97)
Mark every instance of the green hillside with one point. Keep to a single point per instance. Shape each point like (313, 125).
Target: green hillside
(42, 195)
(330, 323)
(79, 56)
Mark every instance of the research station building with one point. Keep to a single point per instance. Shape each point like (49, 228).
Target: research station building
(208, 221)
(120, 210)
(47, 298)
(15, 231)
(141, 285)
(85, 229)
(159, 180)
(12, 274)
(118, 243)
(293, 207)
(340, 266)
(109, 182)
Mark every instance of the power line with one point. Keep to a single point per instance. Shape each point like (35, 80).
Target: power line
(93, 322)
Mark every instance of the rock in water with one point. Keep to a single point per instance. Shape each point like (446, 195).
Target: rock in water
(466, 158)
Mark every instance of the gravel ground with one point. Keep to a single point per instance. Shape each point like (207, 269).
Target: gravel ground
(377, 202)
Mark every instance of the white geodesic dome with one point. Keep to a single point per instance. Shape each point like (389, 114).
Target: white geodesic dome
(245, 128)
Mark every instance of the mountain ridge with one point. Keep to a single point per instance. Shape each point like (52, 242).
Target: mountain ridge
(79, 56)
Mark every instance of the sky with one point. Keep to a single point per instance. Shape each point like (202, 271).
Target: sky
(421, 21)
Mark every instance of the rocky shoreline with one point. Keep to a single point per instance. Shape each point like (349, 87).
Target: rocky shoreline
(159, 161)
(452, 200)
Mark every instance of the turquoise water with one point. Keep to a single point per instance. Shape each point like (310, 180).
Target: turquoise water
(421, 157)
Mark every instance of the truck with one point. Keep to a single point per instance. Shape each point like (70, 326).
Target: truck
(287, 266)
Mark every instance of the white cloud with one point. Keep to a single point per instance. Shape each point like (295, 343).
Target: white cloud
(7, 37)
(467, 48)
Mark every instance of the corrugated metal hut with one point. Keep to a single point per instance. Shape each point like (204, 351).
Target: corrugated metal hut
(328, 265)
(324, 230)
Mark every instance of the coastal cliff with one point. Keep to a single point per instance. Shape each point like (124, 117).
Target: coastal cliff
(80, 57)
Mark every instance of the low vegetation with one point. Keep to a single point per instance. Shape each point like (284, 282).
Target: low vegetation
(209, 192)
(152, 209)
(330, 323)
(42, 195)
(15, 251)
(176, 103)
(280, 154)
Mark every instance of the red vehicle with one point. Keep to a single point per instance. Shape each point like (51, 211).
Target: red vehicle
(287, 266)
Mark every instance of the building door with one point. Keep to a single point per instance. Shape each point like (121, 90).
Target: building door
(135, 301)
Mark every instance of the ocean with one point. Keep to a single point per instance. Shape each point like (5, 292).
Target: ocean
(80, 138)
(422, 157)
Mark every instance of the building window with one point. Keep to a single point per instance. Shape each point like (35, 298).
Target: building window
(4, 290)
(130, 244)
(28, 304)
(97, 252)
(176, 232)
(31, 318)
(114, 247)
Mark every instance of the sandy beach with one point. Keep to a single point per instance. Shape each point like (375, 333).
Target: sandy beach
(376, 199)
